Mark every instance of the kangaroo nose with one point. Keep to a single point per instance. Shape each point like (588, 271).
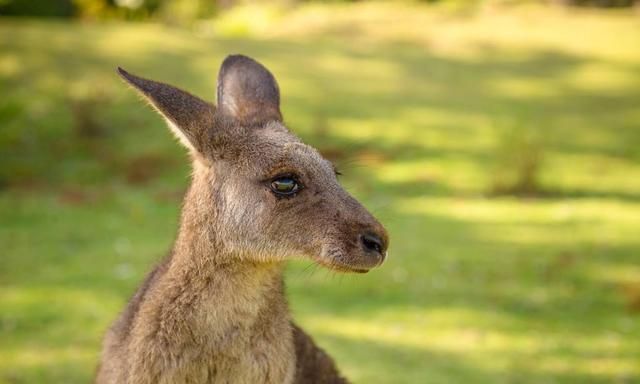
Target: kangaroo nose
(373, 243)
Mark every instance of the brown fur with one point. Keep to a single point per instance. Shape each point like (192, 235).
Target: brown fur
(215, 310)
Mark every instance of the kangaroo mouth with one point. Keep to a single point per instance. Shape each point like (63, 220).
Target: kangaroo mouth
(339, 267)
(340, 261)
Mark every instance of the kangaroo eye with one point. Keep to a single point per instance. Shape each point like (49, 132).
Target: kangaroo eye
(285, 186)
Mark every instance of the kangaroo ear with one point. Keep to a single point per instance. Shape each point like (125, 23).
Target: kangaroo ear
(247, 91)
(188, 116)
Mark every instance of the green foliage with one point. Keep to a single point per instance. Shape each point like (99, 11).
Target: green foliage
(598, 3)
(185, 11)
(519, 156)
(48, 8)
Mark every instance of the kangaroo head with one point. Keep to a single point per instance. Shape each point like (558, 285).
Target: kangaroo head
(266, 195)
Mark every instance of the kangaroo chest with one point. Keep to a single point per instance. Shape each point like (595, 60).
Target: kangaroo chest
(254, 345)
(226, 333)
(240, 358)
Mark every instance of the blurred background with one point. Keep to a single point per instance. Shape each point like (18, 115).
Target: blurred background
(499, 141)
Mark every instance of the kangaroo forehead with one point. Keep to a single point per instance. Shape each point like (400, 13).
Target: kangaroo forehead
(274, 146)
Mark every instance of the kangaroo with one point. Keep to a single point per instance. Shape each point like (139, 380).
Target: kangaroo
(214, 310)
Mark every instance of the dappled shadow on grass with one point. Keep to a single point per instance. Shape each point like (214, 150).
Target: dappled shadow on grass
(426, 364)
(411, 364)
(588, 194)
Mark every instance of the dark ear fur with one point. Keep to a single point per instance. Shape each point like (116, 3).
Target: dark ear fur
(247, 91)
(188, 116)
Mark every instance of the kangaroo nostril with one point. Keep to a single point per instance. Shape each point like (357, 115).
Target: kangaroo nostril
(372, 243)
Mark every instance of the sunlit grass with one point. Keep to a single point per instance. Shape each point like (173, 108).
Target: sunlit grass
(410, 101)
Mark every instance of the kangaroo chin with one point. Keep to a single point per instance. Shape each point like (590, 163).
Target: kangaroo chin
(214, 310)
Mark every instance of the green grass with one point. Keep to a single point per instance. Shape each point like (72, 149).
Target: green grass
(412, 103)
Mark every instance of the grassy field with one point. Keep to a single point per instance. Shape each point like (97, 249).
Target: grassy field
(423, 109)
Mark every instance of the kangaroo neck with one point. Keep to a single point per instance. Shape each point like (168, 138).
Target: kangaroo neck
(224, 289)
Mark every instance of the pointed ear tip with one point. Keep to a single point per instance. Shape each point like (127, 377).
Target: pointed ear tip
(124, 74)
(130, 78)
